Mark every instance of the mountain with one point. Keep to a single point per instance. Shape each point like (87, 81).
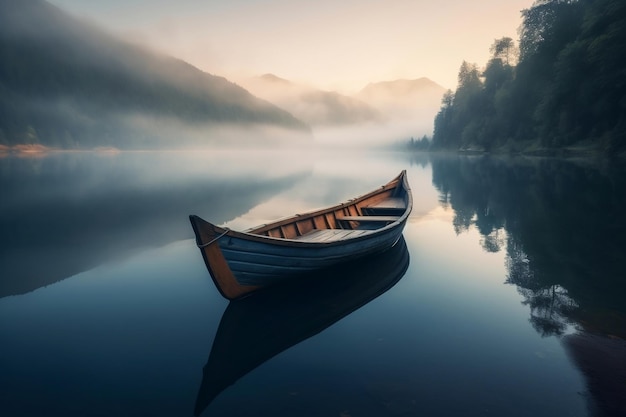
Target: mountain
(65, 83)
(316, 107)
(410, 106)
(404, 97)
(420, 86)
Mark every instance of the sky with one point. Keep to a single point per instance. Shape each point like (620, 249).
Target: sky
(337, 45)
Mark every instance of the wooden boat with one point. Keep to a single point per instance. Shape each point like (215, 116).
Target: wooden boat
(242, 262)
(255, 329)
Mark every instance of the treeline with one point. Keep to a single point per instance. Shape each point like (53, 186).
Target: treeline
(562, 86)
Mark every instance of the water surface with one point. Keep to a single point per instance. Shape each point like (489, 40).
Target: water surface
(506, 298)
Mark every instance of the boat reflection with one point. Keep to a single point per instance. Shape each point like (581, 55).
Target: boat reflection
(254, 329)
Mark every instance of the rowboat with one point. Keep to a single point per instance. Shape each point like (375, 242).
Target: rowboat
(255, 329)
(241, 262)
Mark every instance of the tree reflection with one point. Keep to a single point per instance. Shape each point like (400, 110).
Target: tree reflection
(563, 228)
(560, 222)
(494, 241)
(550, 304)
(549, 309)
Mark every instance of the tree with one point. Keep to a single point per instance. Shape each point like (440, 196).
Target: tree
(505, 50)
(536, 26)
(443, 121)
(496, 74)
(469, 77)
(422, 144)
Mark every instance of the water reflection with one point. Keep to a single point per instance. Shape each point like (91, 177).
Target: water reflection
(65, 213)
(257, 328)
(563, 227)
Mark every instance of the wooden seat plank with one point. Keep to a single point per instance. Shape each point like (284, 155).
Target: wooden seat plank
(329, 235)
(390, 203)
(368, 218)
(387, 207)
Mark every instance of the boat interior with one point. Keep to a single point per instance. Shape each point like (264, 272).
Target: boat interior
(348, 220)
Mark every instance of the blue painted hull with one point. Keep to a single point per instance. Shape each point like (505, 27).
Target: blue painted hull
(261, 263)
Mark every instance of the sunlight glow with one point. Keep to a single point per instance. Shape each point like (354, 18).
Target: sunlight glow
(339, 46)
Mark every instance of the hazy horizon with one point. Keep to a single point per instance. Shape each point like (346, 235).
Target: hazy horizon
(327, 45)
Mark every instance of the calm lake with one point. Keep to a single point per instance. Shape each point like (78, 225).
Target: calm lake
(507, 298)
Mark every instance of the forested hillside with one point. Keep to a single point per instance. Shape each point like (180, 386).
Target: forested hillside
(66, 84)
(561, 86)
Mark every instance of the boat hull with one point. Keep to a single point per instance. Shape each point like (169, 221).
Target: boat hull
(241, 262)
(262, 263)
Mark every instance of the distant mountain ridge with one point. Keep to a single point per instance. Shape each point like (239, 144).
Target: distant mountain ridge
(399, 96)
(395, 109)
(413, 103)
(314, 106)
(421, 85)
(64, 83)
(271, 78)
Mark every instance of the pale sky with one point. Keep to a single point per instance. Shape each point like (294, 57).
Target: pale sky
(331, 44)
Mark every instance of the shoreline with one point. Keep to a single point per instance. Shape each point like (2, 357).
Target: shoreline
(42, 150)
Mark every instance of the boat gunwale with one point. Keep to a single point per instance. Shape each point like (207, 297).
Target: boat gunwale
(399, 181)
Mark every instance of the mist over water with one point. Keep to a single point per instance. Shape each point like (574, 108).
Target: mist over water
(106, 303)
